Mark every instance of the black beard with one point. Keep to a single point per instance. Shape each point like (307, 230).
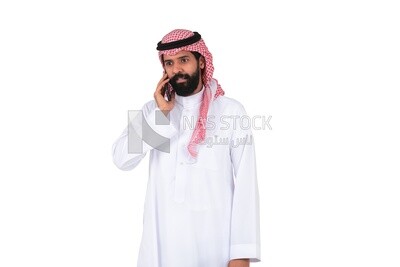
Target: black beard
(185, 88)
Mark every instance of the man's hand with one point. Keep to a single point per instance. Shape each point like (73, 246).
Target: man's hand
(239, 263)
(163, 105)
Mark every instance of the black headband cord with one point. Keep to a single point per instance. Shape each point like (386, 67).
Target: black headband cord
(180, 43)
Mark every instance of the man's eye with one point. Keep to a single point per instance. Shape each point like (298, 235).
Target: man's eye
(184, 60)
(168, 63)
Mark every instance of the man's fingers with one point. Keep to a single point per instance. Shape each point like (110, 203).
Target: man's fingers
(160, 86)
(163, 104)
(163, 78)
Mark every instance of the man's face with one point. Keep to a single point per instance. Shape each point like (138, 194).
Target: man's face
(184, 72)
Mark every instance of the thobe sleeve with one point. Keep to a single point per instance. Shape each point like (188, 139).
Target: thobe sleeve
(245, 217)
(158, 133)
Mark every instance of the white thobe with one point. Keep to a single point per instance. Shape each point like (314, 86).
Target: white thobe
(200, 213)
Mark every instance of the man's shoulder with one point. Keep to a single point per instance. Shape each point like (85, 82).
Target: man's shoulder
(227, 104)
(222, 104)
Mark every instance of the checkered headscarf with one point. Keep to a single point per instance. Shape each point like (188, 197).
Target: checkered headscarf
(199, 132)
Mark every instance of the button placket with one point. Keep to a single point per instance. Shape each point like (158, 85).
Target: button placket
(180, 182)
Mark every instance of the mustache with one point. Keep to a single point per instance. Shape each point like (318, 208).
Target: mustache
(180, 76)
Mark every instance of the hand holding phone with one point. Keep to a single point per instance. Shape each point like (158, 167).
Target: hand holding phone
(162, 91)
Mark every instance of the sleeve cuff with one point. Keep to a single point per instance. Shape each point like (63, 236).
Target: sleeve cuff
(246, 251)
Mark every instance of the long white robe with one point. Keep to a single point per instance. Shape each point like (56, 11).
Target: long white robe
(202, 213)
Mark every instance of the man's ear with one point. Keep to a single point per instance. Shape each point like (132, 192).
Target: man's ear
(202, 62)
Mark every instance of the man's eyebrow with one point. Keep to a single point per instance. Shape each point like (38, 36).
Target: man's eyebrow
(176, 58)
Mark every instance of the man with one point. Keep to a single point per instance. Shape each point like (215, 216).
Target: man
(202, 203)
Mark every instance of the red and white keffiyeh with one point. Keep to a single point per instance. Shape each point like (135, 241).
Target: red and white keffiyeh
(199, 132)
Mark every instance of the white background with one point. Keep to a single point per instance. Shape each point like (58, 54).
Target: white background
(326, 71)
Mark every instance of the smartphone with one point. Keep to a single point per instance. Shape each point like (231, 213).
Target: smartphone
(167, 92)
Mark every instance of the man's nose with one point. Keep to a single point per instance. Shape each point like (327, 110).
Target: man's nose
(176, 68)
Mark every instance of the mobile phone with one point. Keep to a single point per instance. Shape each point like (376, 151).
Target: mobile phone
(167, 92)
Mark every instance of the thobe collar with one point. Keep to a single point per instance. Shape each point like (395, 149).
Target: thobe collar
(190, 101)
